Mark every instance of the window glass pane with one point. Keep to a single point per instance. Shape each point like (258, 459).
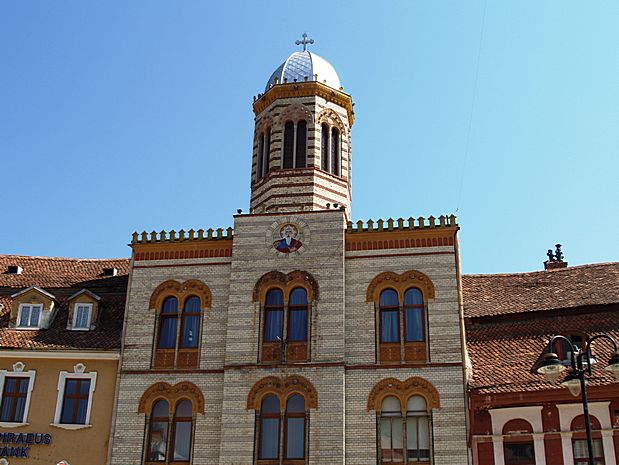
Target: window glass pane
(424, 435)
(275, 297)
(160, 409)
(80, 415)
(397, 440)
(5, 410)
(295, 404)
(389, 298)
(71, 386)
(170, 305)
(416, 404)
(389, 326)
(269, 432)
(34, 315)
(192, 305)
(81, 316)
(413, 296)
(390, 404)
(270, 404)
(412, 436)
(385, 440)
(67, 410)
(273, 325)
(295, 434)
(519, 453)
(24, 316)
(158, 440)
(335, 151)
(190, 331)
(167, 334)
(414, 324)
(85, 386)
(20, 407)
(301, 144)
(298, 325)
(183, 409)
(182, 440)
(298, 296)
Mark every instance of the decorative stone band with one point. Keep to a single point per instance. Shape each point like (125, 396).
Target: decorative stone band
(282, 388)
(182, 250)
(403, 390)
(172, 288)
(286, 282)
(400, 283)
(304, 89)
(163, 390)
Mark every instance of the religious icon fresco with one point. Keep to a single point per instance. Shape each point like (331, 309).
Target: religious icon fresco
(288, 242)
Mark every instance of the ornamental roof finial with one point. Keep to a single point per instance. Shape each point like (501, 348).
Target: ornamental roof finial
(305, 41)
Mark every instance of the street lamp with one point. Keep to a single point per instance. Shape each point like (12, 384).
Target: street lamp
(580, 364)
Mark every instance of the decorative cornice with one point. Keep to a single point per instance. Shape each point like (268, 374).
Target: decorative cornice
(305, 89)
(400, 282)
(403, 390)
(163, 390)
(282, 388)
(187, 249)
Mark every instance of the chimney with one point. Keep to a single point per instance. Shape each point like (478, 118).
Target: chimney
(14, 269)
(555, 260)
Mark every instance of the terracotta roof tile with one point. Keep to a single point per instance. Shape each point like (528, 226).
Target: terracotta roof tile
(576, 286)
(63, 277)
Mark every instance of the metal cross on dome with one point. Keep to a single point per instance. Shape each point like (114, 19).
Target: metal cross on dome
(305, 41)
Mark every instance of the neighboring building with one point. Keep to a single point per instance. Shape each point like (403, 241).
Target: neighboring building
(298, 337)
(516, 416)
(60, 332)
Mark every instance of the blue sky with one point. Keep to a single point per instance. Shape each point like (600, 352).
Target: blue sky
(121, 116)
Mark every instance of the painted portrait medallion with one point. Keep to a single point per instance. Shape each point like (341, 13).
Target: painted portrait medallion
(288, 241)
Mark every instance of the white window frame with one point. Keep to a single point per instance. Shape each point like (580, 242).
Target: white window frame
(18, 372)
(21, 306)
(73, 323)
(78, 373)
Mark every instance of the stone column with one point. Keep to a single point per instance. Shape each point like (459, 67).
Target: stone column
(540, 451)
(566, 445)
(497, 442)
(609, 447)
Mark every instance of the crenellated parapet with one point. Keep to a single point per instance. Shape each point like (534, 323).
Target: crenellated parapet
(401, 233)
(181, 235)
(181, 244)
(390, 224)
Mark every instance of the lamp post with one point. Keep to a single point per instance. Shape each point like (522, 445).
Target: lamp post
(575, 381)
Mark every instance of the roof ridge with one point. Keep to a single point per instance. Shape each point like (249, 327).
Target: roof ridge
(559, 270)
(42, 257)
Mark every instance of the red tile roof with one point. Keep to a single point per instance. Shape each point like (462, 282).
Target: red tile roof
(509, 319)
(575, 286)
(63, 277)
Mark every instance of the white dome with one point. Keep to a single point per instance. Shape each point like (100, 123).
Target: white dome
(301, 64)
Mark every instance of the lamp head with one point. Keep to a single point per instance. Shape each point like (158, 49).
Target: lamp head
(572, 382)
(613, 365)
(551, 367)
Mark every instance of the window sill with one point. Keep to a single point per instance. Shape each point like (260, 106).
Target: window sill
(27, 328)
(8, 424)
(69, 426)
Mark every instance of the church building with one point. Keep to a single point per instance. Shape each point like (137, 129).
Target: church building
(297, 336)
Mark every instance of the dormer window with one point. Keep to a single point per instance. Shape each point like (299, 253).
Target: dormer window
(29, 316)
(81, 317)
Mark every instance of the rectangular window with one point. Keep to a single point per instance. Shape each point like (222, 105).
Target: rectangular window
(29, 315)
(581, 452)
(14, 396)
(75, 401)
(519, 453)
(81, 316)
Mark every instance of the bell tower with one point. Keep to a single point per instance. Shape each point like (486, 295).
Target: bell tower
(302, 153)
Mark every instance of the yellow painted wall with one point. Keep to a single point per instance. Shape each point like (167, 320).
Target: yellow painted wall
(88, 446)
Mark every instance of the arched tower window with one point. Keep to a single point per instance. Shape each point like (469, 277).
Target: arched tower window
(259, 157)
(295, 144)
(324, 147)
(389, 321)
(289, 144)
(301, 146)
(335, 151)
(264, 150)
(269, 429)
